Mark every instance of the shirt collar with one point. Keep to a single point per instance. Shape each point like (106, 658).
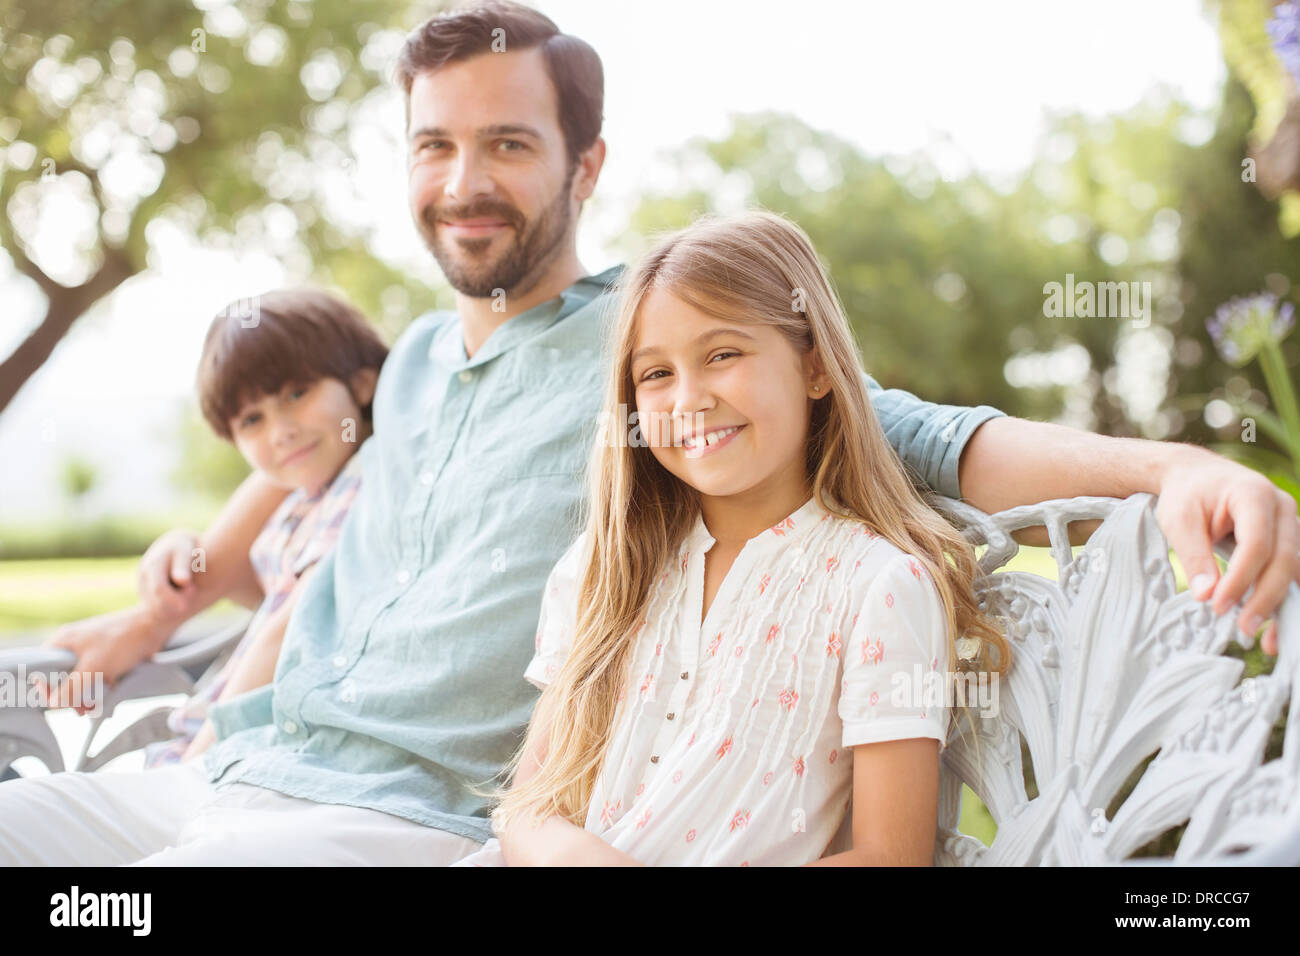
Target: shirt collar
(783, 534)
(448, 345)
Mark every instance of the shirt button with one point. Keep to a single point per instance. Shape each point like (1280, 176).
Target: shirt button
(289, 727)
(467, 376)
(340, 660)
(685, 674)
(654, 759)
(403, 576)
(670, 716)
(426, 477)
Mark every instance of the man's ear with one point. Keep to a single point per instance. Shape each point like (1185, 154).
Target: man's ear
(590, 162)
(363, 385)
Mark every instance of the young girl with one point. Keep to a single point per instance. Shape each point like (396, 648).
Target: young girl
(288, 377)
(734, 651)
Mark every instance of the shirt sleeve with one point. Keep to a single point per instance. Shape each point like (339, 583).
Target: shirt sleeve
(928, 437)
(251, 709)
(559, 616)
(896, 660)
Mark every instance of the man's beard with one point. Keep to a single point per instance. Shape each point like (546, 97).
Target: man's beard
(513, 271)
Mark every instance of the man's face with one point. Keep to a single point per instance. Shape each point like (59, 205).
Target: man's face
(489, 183)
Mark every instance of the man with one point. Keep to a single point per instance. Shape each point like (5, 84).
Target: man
(400, 684)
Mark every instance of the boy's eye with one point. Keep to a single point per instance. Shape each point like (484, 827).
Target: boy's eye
(250, 419)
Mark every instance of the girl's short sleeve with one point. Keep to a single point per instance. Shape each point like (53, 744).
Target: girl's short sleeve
(558, 617)
(896, 660)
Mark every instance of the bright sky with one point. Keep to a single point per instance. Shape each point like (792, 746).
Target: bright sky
(967, 84)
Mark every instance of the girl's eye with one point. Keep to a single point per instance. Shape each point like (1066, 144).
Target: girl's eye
(650, 376)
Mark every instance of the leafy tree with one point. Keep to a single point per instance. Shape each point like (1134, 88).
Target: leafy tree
(229, 118)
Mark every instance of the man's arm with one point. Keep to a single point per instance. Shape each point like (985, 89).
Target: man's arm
(256, 666)
(1202, 497)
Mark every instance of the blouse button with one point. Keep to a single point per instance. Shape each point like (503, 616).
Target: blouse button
(670, 716)
(685, 674)
(466, 376)
(654, 759)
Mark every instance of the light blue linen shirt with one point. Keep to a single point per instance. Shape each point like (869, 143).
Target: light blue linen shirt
(400, 678)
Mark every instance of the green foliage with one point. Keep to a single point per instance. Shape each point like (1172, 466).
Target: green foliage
(77, 476)
(233, 120)
(208, 466)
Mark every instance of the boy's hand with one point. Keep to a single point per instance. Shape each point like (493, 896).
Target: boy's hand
(109, 644)
(166, 576)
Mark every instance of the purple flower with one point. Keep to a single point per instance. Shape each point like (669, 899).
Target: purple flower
(1242, 326)
(1284, 29)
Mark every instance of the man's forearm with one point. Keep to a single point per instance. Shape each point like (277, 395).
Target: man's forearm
(1014, 461)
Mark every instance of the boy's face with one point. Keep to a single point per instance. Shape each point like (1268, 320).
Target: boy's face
(301, 436)
(489, 183)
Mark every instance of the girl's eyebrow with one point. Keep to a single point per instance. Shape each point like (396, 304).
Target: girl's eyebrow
(699, 339)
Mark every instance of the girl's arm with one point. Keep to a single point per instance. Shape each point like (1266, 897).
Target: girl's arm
(256, 666)
(556, 842)
(895, 804)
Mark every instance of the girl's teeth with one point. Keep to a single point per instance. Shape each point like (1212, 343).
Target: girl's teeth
(712, 438)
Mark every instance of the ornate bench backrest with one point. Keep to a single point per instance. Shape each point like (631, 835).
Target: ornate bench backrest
(1110, 666)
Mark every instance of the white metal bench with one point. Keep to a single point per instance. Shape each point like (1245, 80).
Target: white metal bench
(1111, 665)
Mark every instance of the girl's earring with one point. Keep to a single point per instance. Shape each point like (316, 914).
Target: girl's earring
(817, 388)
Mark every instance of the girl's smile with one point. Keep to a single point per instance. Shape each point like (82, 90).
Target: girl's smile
(707, 443)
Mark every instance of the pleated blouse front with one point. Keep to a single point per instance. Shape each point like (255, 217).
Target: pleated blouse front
(733, 740)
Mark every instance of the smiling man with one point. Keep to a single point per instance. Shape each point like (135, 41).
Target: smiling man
(400, 686)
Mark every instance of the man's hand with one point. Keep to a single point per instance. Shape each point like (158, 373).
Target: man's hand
(1202, 498)
(109, 644)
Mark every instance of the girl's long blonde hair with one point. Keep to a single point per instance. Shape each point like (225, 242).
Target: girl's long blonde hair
(756, 267)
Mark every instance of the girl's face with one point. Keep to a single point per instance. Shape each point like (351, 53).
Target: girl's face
(301, 436)
(724, 406)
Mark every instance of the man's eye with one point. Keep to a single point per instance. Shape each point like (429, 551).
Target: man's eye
(514, 142)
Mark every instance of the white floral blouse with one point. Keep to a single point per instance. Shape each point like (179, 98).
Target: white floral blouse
(733, 746)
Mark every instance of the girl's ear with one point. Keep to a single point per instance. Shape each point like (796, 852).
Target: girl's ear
(815, 374)
(363, 385)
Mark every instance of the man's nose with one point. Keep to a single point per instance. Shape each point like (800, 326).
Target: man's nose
(467, 178)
